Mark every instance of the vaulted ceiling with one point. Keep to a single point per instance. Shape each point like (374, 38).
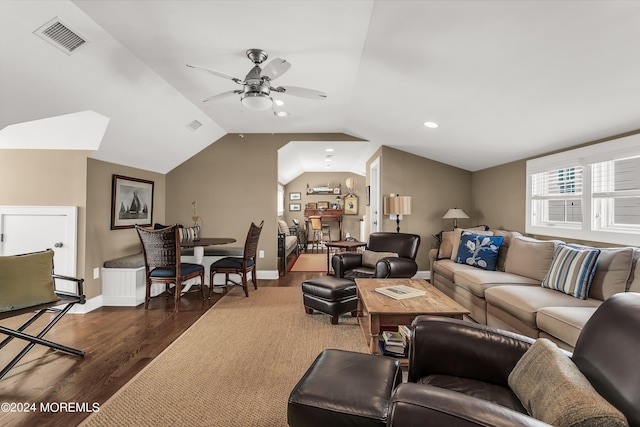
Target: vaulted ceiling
(504, 80)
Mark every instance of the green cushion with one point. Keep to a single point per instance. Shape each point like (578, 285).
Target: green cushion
(553, 390)
(25, 280)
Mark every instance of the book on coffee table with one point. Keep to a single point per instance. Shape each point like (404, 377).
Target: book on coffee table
(400, 292)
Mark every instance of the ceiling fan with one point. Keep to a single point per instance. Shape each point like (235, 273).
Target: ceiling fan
(256, 86)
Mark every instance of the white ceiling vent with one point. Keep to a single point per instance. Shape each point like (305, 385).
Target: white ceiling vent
(60, 35)
(194, 125)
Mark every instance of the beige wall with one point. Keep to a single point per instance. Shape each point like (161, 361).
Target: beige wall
(350, 223)
(47, 178)
(235, 181)
(434, 187)
(499, 196)
(103, 243)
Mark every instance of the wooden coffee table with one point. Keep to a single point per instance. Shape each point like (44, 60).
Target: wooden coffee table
(376, 310)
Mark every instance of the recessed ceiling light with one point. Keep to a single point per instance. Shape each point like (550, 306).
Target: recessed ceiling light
(327, 167)
(278, 102)
(282, 114)
(431, 125)
(329, 150)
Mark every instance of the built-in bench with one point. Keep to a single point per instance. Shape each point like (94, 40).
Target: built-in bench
(123, 279)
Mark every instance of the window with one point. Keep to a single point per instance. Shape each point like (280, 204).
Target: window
(280, 202)
(590, 193)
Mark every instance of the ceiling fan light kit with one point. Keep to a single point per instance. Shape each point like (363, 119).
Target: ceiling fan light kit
(256, 87)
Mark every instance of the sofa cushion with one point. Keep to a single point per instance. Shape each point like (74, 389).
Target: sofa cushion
(633, 285)
(446, 245)
(371, 258)
(448, 268)
(530, 257)
(564, 323)
(479, 251)
(504, 247)
(283, 227)
(612, 272)
(25, 280)
(574, 402)
(572, 270)
(457, 234)
(523, 302)
(477, 281)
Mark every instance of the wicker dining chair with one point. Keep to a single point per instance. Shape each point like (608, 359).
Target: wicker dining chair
(161, 249)
(241, 266)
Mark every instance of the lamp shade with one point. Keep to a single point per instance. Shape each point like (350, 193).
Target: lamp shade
(400, 205)
(455, 214)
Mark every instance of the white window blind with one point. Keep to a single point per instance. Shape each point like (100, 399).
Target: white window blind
(590, 193)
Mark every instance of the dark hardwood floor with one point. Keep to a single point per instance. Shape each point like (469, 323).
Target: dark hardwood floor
(118, 341)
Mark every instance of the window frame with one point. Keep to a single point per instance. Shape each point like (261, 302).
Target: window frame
(589, 229)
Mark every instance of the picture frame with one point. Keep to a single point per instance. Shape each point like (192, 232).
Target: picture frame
(312, 205)
(295, 196)
(351, 205)
(131, 202)
(323, 205)
(295, 207)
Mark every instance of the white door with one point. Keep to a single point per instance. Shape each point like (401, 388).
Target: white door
(374, 196)
(26, 229)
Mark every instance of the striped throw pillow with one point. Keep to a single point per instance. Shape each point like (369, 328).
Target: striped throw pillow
(572, 270)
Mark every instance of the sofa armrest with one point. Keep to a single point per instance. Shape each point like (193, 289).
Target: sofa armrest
(454, 347)
(396, 267)
(416, 405)
(344, 261)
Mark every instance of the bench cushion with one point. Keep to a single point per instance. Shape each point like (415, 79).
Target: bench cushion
(129, 261)
(25, 280)
(216, 250)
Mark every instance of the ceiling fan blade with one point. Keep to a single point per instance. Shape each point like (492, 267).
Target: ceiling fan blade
(275, 68)
(216, 73)
(220, 96)
(302, 92)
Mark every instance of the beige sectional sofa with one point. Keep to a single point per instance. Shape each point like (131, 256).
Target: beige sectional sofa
(512, 298)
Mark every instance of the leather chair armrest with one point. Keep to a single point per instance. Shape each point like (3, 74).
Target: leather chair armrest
(416, 405)
(345, 261)
(454, 347)
(395, 267)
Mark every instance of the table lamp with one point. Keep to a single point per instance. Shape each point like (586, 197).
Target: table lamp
(455, 214)
(397, 206)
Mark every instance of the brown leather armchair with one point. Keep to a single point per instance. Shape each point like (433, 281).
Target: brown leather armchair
(350, 264)
(458, 371)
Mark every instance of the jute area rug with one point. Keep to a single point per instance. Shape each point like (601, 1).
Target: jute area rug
(310, 262)
(234, 367)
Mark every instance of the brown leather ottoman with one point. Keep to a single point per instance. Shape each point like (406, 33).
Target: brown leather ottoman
(330, 295)
(344, 388)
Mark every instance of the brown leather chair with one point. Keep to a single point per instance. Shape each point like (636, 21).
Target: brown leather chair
(458, 375)
(458, 371)
(350, 264)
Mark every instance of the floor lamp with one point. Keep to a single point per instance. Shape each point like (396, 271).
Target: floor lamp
(398, 206)
(455, 214)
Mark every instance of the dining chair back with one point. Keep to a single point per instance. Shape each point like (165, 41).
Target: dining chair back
(241, 266)
(316, 230)
(161, 249)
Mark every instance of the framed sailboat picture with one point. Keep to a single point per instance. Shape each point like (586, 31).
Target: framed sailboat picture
(131, 202)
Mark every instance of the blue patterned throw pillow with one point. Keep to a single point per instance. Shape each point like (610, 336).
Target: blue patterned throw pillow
(479, 251)
(572, 270)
